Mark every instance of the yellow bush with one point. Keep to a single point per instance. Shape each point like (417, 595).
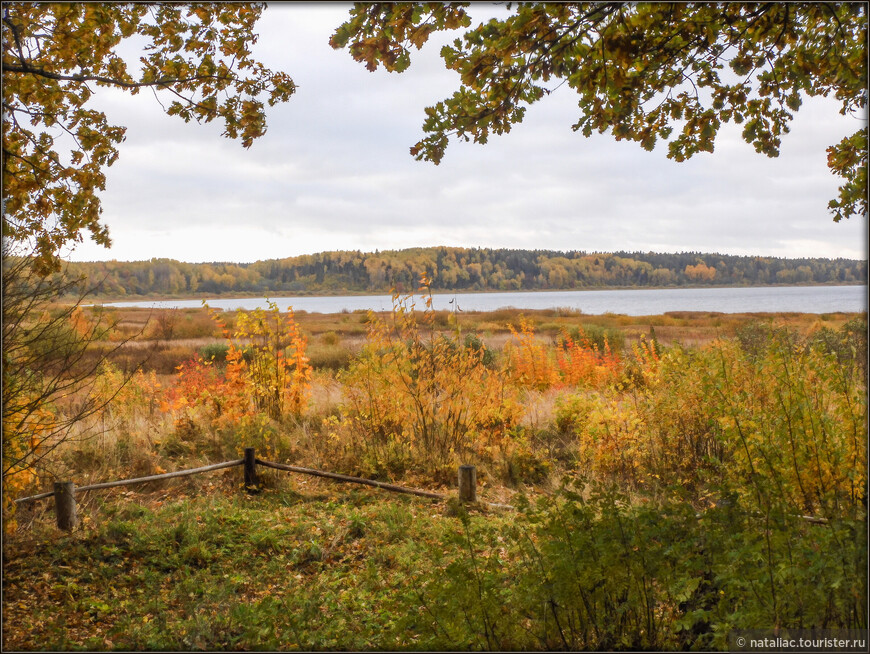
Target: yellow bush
(419, 397)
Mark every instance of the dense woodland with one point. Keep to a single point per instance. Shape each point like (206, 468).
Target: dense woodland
(460, 269)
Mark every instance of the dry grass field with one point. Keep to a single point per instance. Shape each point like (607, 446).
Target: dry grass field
(163, 339)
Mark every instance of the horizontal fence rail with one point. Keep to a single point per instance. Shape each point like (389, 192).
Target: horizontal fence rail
(353, 480)
(41, 496)
(167, 475)
(140, 480)
(467, 483)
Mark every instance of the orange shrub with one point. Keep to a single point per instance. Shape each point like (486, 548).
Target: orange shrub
(534, 364)
(530, 363)
(265, 380)
(580, 364)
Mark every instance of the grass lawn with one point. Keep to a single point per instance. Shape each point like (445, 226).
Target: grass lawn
(311, 566)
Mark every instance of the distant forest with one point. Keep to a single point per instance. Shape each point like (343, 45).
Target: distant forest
(459, 269)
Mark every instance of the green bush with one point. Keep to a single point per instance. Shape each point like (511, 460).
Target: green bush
(474, 343)
(589, 568)
(216, 352)
(848, 344)
(597, 335)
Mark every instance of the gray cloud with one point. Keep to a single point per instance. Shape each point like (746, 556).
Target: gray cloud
(334, 172)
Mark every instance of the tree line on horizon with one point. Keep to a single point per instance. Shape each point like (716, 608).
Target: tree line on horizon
(459, 269)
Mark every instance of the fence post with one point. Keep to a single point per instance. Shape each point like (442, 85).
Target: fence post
(467, 483)
(65, 504)
(250, 470)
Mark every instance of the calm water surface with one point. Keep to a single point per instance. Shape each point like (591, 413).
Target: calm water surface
(631, 302)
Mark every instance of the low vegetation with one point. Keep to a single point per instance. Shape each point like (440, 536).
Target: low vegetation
(673, 478)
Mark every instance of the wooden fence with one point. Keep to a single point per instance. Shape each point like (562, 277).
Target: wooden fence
(65, 492)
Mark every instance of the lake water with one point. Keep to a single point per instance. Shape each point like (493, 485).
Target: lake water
(632, 302)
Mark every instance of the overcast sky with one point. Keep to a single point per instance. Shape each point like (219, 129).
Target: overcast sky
(334, 172)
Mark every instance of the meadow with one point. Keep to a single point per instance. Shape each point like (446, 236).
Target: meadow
(674, 479)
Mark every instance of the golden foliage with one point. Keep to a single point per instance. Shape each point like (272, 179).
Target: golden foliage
(416, 396)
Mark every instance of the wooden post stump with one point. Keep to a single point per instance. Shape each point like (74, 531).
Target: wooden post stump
(65, 504)
(467, 483)
(251, 483)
